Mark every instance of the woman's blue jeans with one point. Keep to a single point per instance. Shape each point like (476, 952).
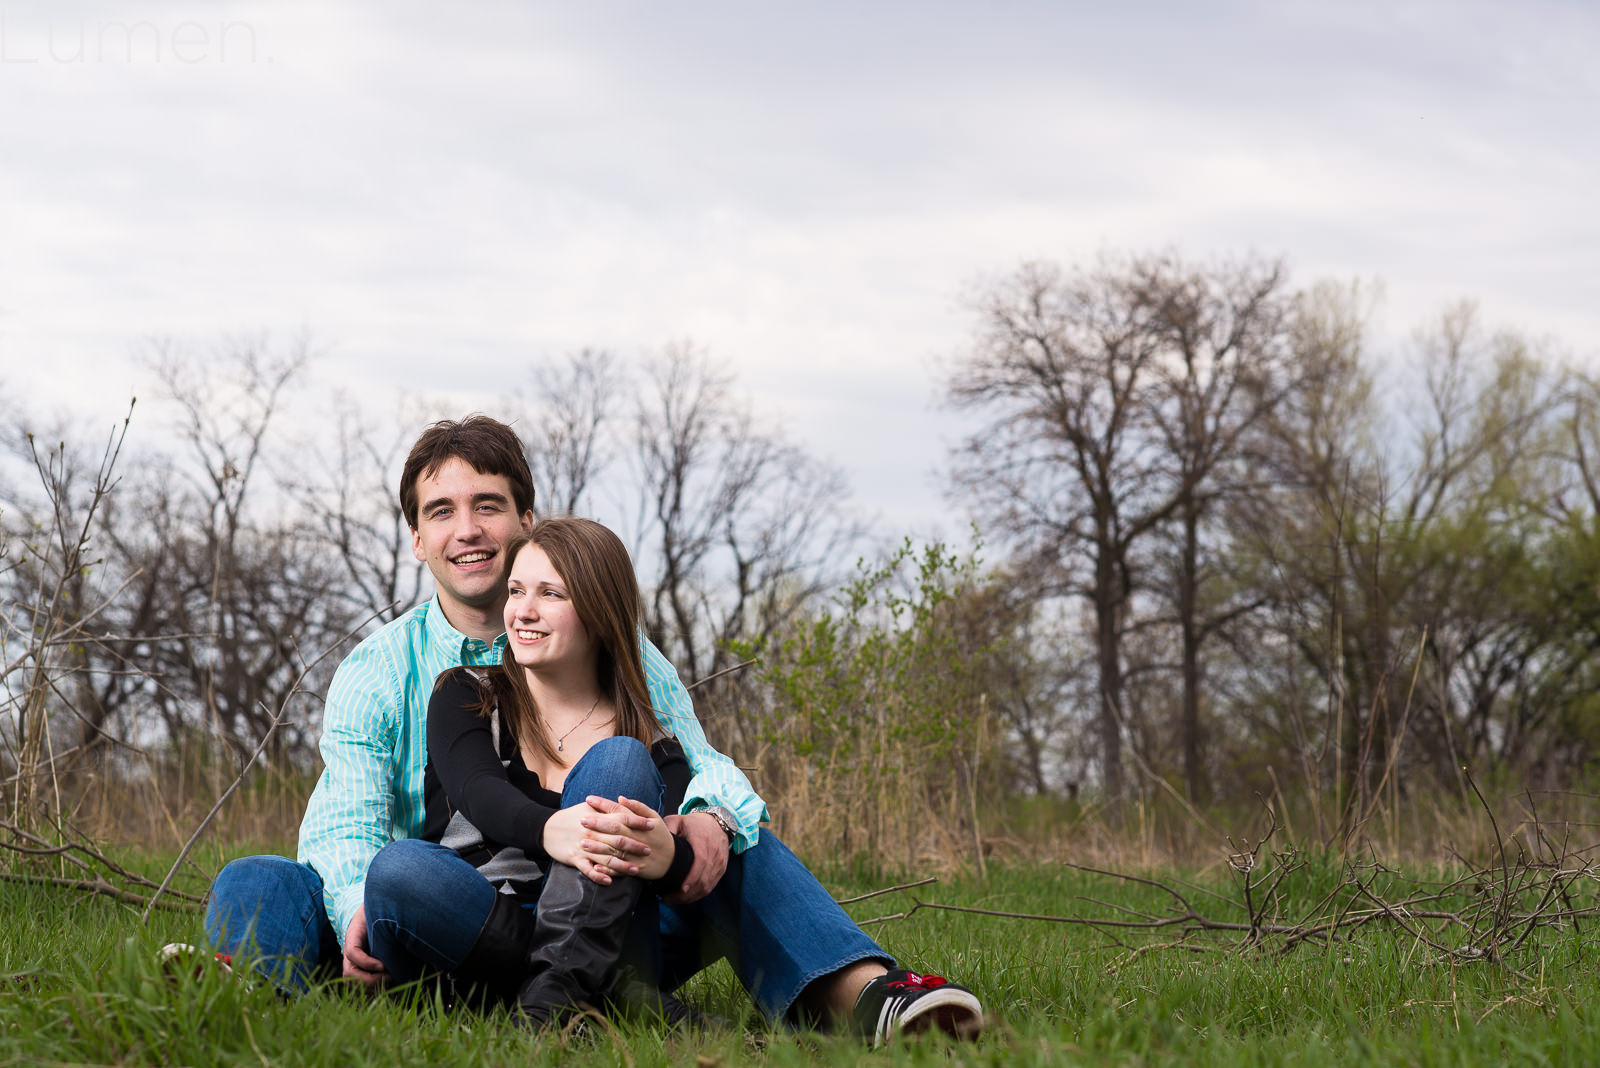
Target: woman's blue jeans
(426, 906)
(768, 916)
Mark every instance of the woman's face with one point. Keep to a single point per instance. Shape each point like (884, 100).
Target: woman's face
(543, 630)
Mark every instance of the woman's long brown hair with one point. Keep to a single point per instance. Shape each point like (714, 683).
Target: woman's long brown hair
(594, 564)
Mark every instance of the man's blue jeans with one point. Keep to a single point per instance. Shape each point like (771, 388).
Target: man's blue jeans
(768, 916)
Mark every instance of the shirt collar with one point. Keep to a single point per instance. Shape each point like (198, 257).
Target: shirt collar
(472, 650)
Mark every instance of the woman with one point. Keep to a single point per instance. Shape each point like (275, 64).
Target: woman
(513, 890)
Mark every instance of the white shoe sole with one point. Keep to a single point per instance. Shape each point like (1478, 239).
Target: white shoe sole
(957, 1013)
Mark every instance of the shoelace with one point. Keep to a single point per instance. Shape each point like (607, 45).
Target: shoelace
(913, 981)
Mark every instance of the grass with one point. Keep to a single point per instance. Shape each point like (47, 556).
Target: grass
(78, 984)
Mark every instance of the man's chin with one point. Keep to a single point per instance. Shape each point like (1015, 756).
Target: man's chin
(480, 595)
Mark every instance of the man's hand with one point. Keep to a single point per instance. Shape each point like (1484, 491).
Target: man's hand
(360, 965)
(710, 855)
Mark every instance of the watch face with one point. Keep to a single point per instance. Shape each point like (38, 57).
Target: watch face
(723, 818)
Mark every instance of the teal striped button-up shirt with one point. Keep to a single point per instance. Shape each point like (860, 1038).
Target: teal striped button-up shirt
(374, 749)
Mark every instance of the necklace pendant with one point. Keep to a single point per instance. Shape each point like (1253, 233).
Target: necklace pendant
(561, 745)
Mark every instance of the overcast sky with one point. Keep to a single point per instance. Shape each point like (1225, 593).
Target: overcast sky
(443, 194)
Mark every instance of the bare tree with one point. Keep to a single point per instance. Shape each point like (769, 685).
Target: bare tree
(1403, 552)
(738, 527)
(1228, 368)
(1114, 394)
(570, 439)
(224, 586)
(350, 499)
(48, 607)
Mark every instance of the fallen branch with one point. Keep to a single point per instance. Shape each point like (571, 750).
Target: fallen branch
(180, 903)
(888, 890)
(1489, 914)
(68, 852)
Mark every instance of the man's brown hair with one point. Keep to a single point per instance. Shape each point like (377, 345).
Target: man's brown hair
(491, 447)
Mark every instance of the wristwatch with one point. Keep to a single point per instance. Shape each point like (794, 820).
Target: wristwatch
(725, 820)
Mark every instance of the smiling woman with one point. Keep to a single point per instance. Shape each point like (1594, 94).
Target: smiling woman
(571, 615)
(543, 628)
(547, 879)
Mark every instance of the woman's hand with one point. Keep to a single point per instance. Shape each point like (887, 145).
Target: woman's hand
(628, 820)
(603, 838)
(597, 853)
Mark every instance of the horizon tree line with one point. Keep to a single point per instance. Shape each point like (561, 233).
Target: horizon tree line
(1239, 548)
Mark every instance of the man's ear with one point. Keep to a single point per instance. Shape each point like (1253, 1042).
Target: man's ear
(527, 521)
(416, 548)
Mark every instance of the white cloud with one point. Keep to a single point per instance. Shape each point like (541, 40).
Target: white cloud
(806, 191)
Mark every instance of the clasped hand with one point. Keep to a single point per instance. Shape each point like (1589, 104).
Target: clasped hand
(603, 838)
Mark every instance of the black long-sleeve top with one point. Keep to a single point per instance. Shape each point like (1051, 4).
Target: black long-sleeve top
(497, 793)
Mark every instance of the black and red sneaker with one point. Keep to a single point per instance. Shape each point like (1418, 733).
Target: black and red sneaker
(177, 957)
(908, 1003)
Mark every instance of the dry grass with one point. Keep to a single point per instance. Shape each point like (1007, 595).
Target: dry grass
(921, 820)
(161, 806)
(902, 817)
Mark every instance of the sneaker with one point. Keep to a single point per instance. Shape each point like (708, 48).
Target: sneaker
(909, 1003)
(176, 957)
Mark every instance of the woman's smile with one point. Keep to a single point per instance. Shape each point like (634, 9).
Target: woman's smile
(540, 618)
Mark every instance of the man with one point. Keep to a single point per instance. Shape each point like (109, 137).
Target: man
(466, 491)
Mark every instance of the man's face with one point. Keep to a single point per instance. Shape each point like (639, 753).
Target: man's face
(464, 520)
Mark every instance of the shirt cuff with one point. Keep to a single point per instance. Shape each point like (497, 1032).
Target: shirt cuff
(682, 860)
(342, 908)
(749, 812)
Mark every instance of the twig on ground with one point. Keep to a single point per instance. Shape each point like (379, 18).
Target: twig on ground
(97, 885)
(888, 890)
(1489, 913)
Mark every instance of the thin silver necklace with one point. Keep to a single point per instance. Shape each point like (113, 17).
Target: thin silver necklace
(561, 743)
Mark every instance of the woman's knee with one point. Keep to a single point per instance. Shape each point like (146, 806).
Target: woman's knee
(411, 873)
(615, 766)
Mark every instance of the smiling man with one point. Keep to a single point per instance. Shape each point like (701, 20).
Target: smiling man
(464, 518)
(466, 491)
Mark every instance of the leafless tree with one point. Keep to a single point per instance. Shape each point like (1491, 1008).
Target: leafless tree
(570, 429)
(738, 527)
(222, 583)
(1228, 367)
(1402, 551)
(1114, 394)
(350, 500)
(48, 608)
